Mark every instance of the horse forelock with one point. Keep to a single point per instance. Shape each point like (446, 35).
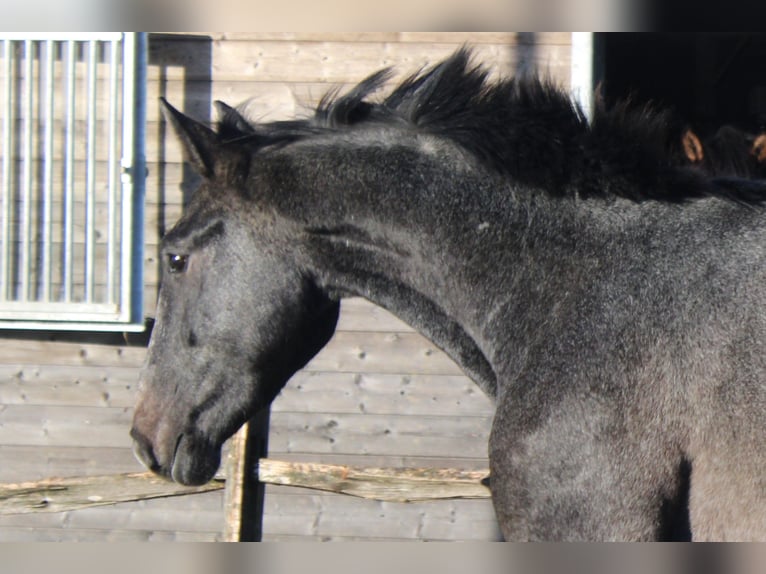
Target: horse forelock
(528, 129)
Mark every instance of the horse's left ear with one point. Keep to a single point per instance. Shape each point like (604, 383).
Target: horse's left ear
(201, 144)
(692, 146)
(759, 148)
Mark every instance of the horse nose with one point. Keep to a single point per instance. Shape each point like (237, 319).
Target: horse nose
(143, 450)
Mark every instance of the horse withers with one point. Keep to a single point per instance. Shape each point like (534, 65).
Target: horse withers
(609, 300)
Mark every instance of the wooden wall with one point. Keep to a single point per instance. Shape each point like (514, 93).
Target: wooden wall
(378, 395)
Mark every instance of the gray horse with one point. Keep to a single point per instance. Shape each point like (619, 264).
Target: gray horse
(608, 300)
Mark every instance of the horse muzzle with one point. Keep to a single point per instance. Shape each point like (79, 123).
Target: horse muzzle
(192, 461)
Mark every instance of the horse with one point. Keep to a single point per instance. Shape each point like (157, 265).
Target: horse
(729, 151)
(609, 300)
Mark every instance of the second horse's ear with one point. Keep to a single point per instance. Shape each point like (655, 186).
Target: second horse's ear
(759, 148)
(692, 147)
(200, 143)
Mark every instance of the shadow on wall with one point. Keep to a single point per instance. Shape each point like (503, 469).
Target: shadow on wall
(526, 54)
(188, 60)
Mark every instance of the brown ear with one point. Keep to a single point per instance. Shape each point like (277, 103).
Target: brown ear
(759, 148)
(692, 147)
(200, 143)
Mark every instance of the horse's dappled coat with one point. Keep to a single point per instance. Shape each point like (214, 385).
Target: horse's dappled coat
(609, 300)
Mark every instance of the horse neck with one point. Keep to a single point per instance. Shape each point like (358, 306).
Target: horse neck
(424, 235)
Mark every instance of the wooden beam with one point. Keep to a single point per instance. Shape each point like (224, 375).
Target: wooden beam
(243, 505)
(63, 494)
(244, 495)
(387, 484)
(236, 473)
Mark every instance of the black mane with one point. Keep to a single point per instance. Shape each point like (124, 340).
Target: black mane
(527, 129)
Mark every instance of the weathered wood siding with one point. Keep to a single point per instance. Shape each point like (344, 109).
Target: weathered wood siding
(378, 395)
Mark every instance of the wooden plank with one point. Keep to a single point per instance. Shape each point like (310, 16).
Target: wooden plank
(369, 352)
(64, 534)
(244, 496)
(166, 518)
(350, 37)
(15, 351)
(236, 475)
(64, 426)
(358, 314)
(540, 39)
(36, 384)
(38, 462)
(465, 460)
(312, 61)
(390, 524)
(316, 515)
(382, 394)
(202, 512)
(392, 485)
(393, 353)
(62, 494)
(381, 484)
(379, 434)
(509, 38)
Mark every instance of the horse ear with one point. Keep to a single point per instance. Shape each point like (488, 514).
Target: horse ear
(201, 144)
(231, 123)
(692, 146)
(759, 148)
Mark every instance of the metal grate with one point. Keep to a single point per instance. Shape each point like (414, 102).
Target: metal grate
(71, 142)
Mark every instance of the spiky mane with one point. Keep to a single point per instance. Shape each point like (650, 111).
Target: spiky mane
(527, 129)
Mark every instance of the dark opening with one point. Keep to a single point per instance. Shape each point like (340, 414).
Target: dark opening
(709, 79)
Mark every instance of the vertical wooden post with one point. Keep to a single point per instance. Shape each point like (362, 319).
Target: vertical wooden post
(244, 495)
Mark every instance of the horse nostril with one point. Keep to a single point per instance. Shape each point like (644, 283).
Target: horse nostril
(143, 451)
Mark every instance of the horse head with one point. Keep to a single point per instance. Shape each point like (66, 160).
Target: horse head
(236, 316)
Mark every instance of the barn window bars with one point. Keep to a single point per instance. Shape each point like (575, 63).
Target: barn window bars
(72, 174)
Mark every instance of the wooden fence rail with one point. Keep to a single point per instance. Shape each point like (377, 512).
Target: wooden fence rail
(74, 493)
(388, 484)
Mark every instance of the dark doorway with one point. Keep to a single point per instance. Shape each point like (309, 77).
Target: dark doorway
(709, 79)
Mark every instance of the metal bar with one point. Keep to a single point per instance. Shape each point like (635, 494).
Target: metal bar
(133, 174)
(48, 171)
(112, 175)
(128, 101)
(68, 270)
(8, 196)
(26, 217)
(90, 177)
(134, 303)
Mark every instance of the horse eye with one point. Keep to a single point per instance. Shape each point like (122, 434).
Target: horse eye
(177, 263)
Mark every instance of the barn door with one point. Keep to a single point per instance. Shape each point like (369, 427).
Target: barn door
(71, 173)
